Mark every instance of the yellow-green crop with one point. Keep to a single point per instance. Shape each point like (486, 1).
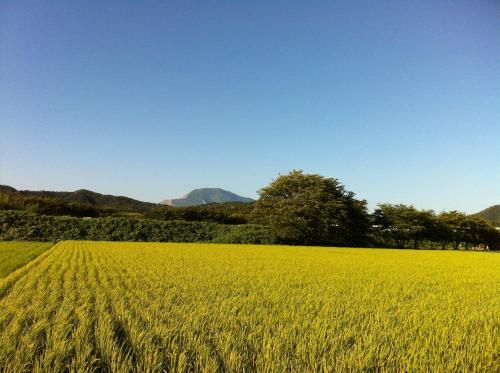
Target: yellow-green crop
(14, 254)
(92, 306)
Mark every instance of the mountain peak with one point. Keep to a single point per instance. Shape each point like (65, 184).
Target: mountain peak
(205, 196)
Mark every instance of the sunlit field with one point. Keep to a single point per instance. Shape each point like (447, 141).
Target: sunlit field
(14, 254)
(92, 306)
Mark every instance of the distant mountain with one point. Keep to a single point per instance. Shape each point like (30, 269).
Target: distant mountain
(492, 214)
(87, 197)
(205, 196)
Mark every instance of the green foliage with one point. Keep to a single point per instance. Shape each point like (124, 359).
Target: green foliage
(311, 210)
(15, 254)
(223, 213)
(296, 208)
(156, 307)
(48, 206)
(84, 197)
(17, 225)
(400, 224)
(454, 221)
(89, 204)
(475, 230)
(246, 234)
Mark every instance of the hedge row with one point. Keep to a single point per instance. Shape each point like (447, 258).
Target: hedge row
(21, 225)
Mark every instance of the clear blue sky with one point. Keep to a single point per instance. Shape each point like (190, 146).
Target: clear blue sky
(399, 100)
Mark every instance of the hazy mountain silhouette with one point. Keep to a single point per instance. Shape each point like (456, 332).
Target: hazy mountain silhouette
(205, 196)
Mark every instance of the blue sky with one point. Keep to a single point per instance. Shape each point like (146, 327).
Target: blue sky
(399, 100)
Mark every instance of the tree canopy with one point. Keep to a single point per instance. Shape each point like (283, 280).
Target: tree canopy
(398, 225)
(311, 209)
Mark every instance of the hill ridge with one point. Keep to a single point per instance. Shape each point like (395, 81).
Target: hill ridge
(492, 214)
(85, 196)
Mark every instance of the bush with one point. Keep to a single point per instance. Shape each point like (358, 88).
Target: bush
(26, 226)
(246, 234)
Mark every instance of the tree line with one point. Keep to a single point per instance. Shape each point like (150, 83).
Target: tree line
(313, 210)
(296, 208)
(404, 226)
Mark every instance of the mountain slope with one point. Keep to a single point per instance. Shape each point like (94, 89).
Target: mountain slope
(492, 214)
(87, 197)
(205, 196)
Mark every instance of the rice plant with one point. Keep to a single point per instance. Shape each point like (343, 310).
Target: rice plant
(122, 307)
(14, 254)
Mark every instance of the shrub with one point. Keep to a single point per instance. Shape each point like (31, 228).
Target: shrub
(26, 226)
(246, 234)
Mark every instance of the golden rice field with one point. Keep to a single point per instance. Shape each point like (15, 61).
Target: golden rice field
(124, 307)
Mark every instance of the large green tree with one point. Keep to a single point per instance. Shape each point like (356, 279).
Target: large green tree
(441, 231)
(455, 222)
(395, 222)
(402, 224)
(311, 209)
(476, 231)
